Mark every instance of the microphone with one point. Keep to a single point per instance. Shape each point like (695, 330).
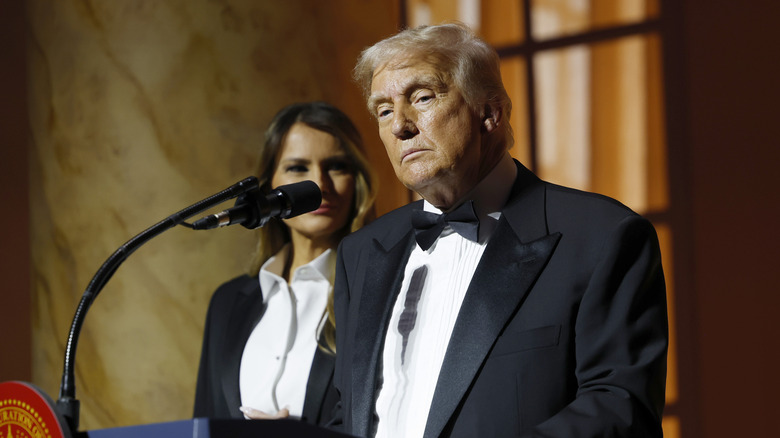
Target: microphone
(253, 209)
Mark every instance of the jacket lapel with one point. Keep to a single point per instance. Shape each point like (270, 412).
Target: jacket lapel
(381, 286)
(317, 386)
(517, 253)
(244, 316)
(487, 307)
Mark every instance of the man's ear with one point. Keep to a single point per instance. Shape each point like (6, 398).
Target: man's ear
(492, 118)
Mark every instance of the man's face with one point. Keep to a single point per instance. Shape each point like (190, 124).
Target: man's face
(432, 137)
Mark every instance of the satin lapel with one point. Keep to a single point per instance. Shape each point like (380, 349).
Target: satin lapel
(486, 309)
(380, 288)
(244, 316)
(508, 269)
(320, 377)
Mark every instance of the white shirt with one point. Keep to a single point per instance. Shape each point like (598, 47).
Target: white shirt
(408, 383)
(277, 356)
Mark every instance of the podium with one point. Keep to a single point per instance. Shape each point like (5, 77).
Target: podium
(27, 412)
(211, 428)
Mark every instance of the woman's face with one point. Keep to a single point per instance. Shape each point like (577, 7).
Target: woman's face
(310, 154)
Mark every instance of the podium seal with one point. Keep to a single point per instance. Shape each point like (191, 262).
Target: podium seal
(27, 412)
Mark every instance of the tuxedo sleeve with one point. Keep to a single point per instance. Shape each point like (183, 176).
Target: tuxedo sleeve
(621, 340)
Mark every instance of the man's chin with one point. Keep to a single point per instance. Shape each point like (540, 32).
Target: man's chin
(439, 193)
(418, 184)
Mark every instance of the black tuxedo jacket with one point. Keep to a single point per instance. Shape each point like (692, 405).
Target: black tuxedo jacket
(234, 311)
(562, 332)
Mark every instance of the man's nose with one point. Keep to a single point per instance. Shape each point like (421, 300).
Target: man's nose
(403, 126)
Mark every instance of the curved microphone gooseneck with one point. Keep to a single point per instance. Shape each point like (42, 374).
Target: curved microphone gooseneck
(67, 403)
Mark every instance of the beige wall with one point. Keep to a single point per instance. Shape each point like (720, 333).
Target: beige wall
(137, 110)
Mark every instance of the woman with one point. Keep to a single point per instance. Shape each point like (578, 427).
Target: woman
(269, 342)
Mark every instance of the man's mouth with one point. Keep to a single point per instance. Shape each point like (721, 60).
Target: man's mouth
(411, 153)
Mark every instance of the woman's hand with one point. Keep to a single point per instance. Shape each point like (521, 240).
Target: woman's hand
(254, 414)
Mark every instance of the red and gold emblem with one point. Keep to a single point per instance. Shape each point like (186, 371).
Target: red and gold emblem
(26, 412)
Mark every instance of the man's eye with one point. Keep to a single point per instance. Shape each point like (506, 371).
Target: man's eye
(425, 98)
(384, 113)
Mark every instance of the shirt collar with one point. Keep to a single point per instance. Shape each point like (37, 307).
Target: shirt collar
(321, 268)
(489, 195)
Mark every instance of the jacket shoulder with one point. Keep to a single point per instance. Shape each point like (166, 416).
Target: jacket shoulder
(228, 292)
(394, 223)
(581, 208)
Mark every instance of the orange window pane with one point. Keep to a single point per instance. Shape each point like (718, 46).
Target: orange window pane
(599, 120)
(557, 18)
(672, 374)
(502, 22)
(657, 164)
(671, 426)
(419, 12)
(499, 22)
(563, 116)
(628, 150)
(514, 77)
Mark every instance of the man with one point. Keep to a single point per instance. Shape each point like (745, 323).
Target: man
(548, 318)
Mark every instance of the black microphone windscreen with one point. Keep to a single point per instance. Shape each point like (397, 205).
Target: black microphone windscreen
(304, 197)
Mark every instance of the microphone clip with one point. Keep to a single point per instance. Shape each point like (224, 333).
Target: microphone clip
(254, 209)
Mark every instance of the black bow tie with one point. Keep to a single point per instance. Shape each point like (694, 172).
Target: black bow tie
(428, 226)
